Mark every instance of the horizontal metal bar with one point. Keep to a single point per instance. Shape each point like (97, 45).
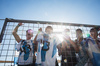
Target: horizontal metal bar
(6, 61)
(48, 22)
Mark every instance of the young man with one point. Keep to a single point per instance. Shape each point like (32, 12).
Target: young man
(67, 49)
(25, 47)
(93, 48)
(80, 41)
(99, 38)
(47, 47)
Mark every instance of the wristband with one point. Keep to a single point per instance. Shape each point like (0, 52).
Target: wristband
(38, 32)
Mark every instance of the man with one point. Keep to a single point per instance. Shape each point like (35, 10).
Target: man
(80, 41)
(25, 47)
(99, 38)
(93, 48)
(47, 47)
(67, 49)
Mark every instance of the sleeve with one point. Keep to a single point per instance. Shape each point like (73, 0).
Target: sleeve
(18, 46)
(87, 40)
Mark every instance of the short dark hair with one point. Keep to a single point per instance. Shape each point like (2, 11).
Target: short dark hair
(93, 29)
(79, 30)
(49, 27)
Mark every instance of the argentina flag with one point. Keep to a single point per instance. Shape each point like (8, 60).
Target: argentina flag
(94, 53)
(16, 56)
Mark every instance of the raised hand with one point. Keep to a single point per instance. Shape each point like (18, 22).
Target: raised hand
(20, 24)
(40, 29)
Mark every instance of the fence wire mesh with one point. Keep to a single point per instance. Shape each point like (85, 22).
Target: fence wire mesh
(7, 46)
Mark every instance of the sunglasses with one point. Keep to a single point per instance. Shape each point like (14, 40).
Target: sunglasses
(29, 34)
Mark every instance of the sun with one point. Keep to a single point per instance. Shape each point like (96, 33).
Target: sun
(60, 36)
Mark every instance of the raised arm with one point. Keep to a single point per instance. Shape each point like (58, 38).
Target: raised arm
(17, 38)
(74, 45)
(34, 41)
(39, 30)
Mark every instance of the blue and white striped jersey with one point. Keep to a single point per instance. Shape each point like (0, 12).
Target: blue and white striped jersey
(25, 47)
(47, 49)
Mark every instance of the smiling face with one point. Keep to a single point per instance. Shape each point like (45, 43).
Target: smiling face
(93, 33)
(66, 34)
(49, 30)
(79, 33)
(29, 34)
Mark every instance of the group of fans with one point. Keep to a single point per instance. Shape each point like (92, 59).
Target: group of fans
(42, 51)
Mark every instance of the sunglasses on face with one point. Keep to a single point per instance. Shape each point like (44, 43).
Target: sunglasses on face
(29, 34)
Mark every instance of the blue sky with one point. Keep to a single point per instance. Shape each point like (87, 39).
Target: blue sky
(69, 11)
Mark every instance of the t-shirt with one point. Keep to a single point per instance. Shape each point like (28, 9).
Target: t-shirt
(47, 49)
(68, 53)
(93, 50)
(25, 47)
(83, 56)
(82, 50)
(95, 42)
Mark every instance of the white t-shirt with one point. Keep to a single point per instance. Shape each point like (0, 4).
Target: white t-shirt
(47, 58)
(26, 52)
